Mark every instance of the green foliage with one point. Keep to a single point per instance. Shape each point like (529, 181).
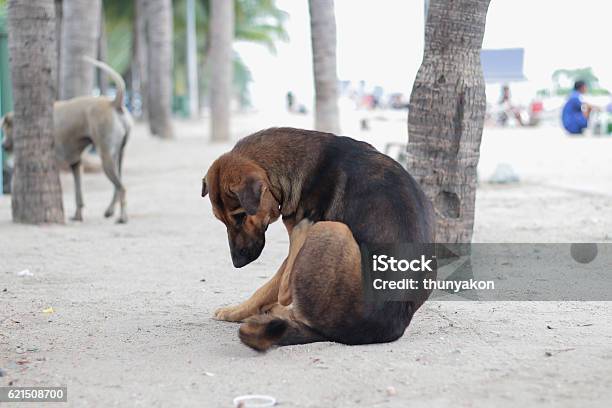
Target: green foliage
(257, 21)
(260, 21)
(119, 18)
(572, 75)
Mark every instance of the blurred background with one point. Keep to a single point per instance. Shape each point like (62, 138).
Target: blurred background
(533, 52)
(549, 45)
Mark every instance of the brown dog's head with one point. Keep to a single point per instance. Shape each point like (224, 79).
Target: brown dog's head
(240, 195)
(7, 128)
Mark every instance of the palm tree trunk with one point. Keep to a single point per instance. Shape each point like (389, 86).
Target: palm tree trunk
(158, 14)
(80, 23)
(323, 35)
(102, 78)
(192, 59)
(446, 117)
(58, 45)
(139, 57)
(37, 193)
(221, 66)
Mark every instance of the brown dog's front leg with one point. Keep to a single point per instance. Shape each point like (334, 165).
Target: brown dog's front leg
(296, 241)
(264, 296)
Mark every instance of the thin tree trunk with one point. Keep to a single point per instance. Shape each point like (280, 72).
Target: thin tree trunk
(446, 117)
(221, 67)
(58, 45)
(102, 53)
(323, 36)
(139, 56)
(37, 193)
(192, 59)
(80, 25)
(159, 63)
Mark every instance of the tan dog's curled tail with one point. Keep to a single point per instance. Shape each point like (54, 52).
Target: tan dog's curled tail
(261, 332)
(117, 79)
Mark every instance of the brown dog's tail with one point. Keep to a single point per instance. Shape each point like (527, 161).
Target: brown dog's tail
(262, 332)
(115, 76)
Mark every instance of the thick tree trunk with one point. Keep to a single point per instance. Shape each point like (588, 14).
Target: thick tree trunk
(323, 35)
(159, 62)
(446, 117)
(139, 56)
(80, 26)
(221, 67)
(37, 193)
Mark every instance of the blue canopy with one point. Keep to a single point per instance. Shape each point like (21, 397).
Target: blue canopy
(503, 66)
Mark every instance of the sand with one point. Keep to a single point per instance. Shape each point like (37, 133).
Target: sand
(132, 304)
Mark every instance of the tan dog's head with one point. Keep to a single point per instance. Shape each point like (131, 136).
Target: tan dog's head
(7, 128)
(240, 195)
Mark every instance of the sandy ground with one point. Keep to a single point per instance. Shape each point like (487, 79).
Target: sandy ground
(132, 303)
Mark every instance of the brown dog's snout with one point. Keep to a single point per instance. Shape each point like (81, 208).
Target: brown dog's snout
(245, 254)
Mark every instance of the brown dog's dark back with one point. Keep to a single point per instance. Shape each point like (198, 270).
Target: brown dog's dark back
(341, 179)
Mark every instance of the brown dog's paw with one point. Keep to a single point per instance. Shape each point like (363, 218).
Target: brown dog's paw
(231, 314)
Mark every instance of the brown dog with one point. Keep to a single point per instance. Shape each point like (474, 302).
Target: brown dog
(334, 194)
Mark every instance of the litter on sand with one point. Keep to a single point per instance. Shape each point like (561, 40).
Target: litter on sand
(25, 272)
(48, 310)
(254, 401)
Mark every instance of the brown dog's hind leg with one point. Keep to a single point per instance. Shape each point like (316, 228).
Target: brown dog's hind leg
(76, 173)
(326, 292)
(264, 331)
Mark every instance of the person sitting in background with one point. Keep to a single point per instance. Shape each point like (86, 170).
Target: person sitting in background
(576, 112)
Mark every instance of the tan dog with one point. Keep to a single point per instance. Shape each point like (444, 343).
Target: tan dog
(334, 194)
(85, 120)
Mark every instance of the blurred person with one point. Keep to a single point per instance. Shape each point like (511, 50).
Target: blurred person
(576, 112)
(507, 109)
(290, 101)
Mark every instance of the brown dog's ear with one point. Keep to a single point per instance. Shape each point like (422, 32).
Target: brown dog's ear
(249, 195)
(204, 187)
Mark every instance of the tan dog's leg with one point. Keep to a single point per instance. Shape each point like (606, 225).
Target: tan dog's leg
(110, 211)
(111, 171)
(76, 173)
(264, 296)
(296, 241)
